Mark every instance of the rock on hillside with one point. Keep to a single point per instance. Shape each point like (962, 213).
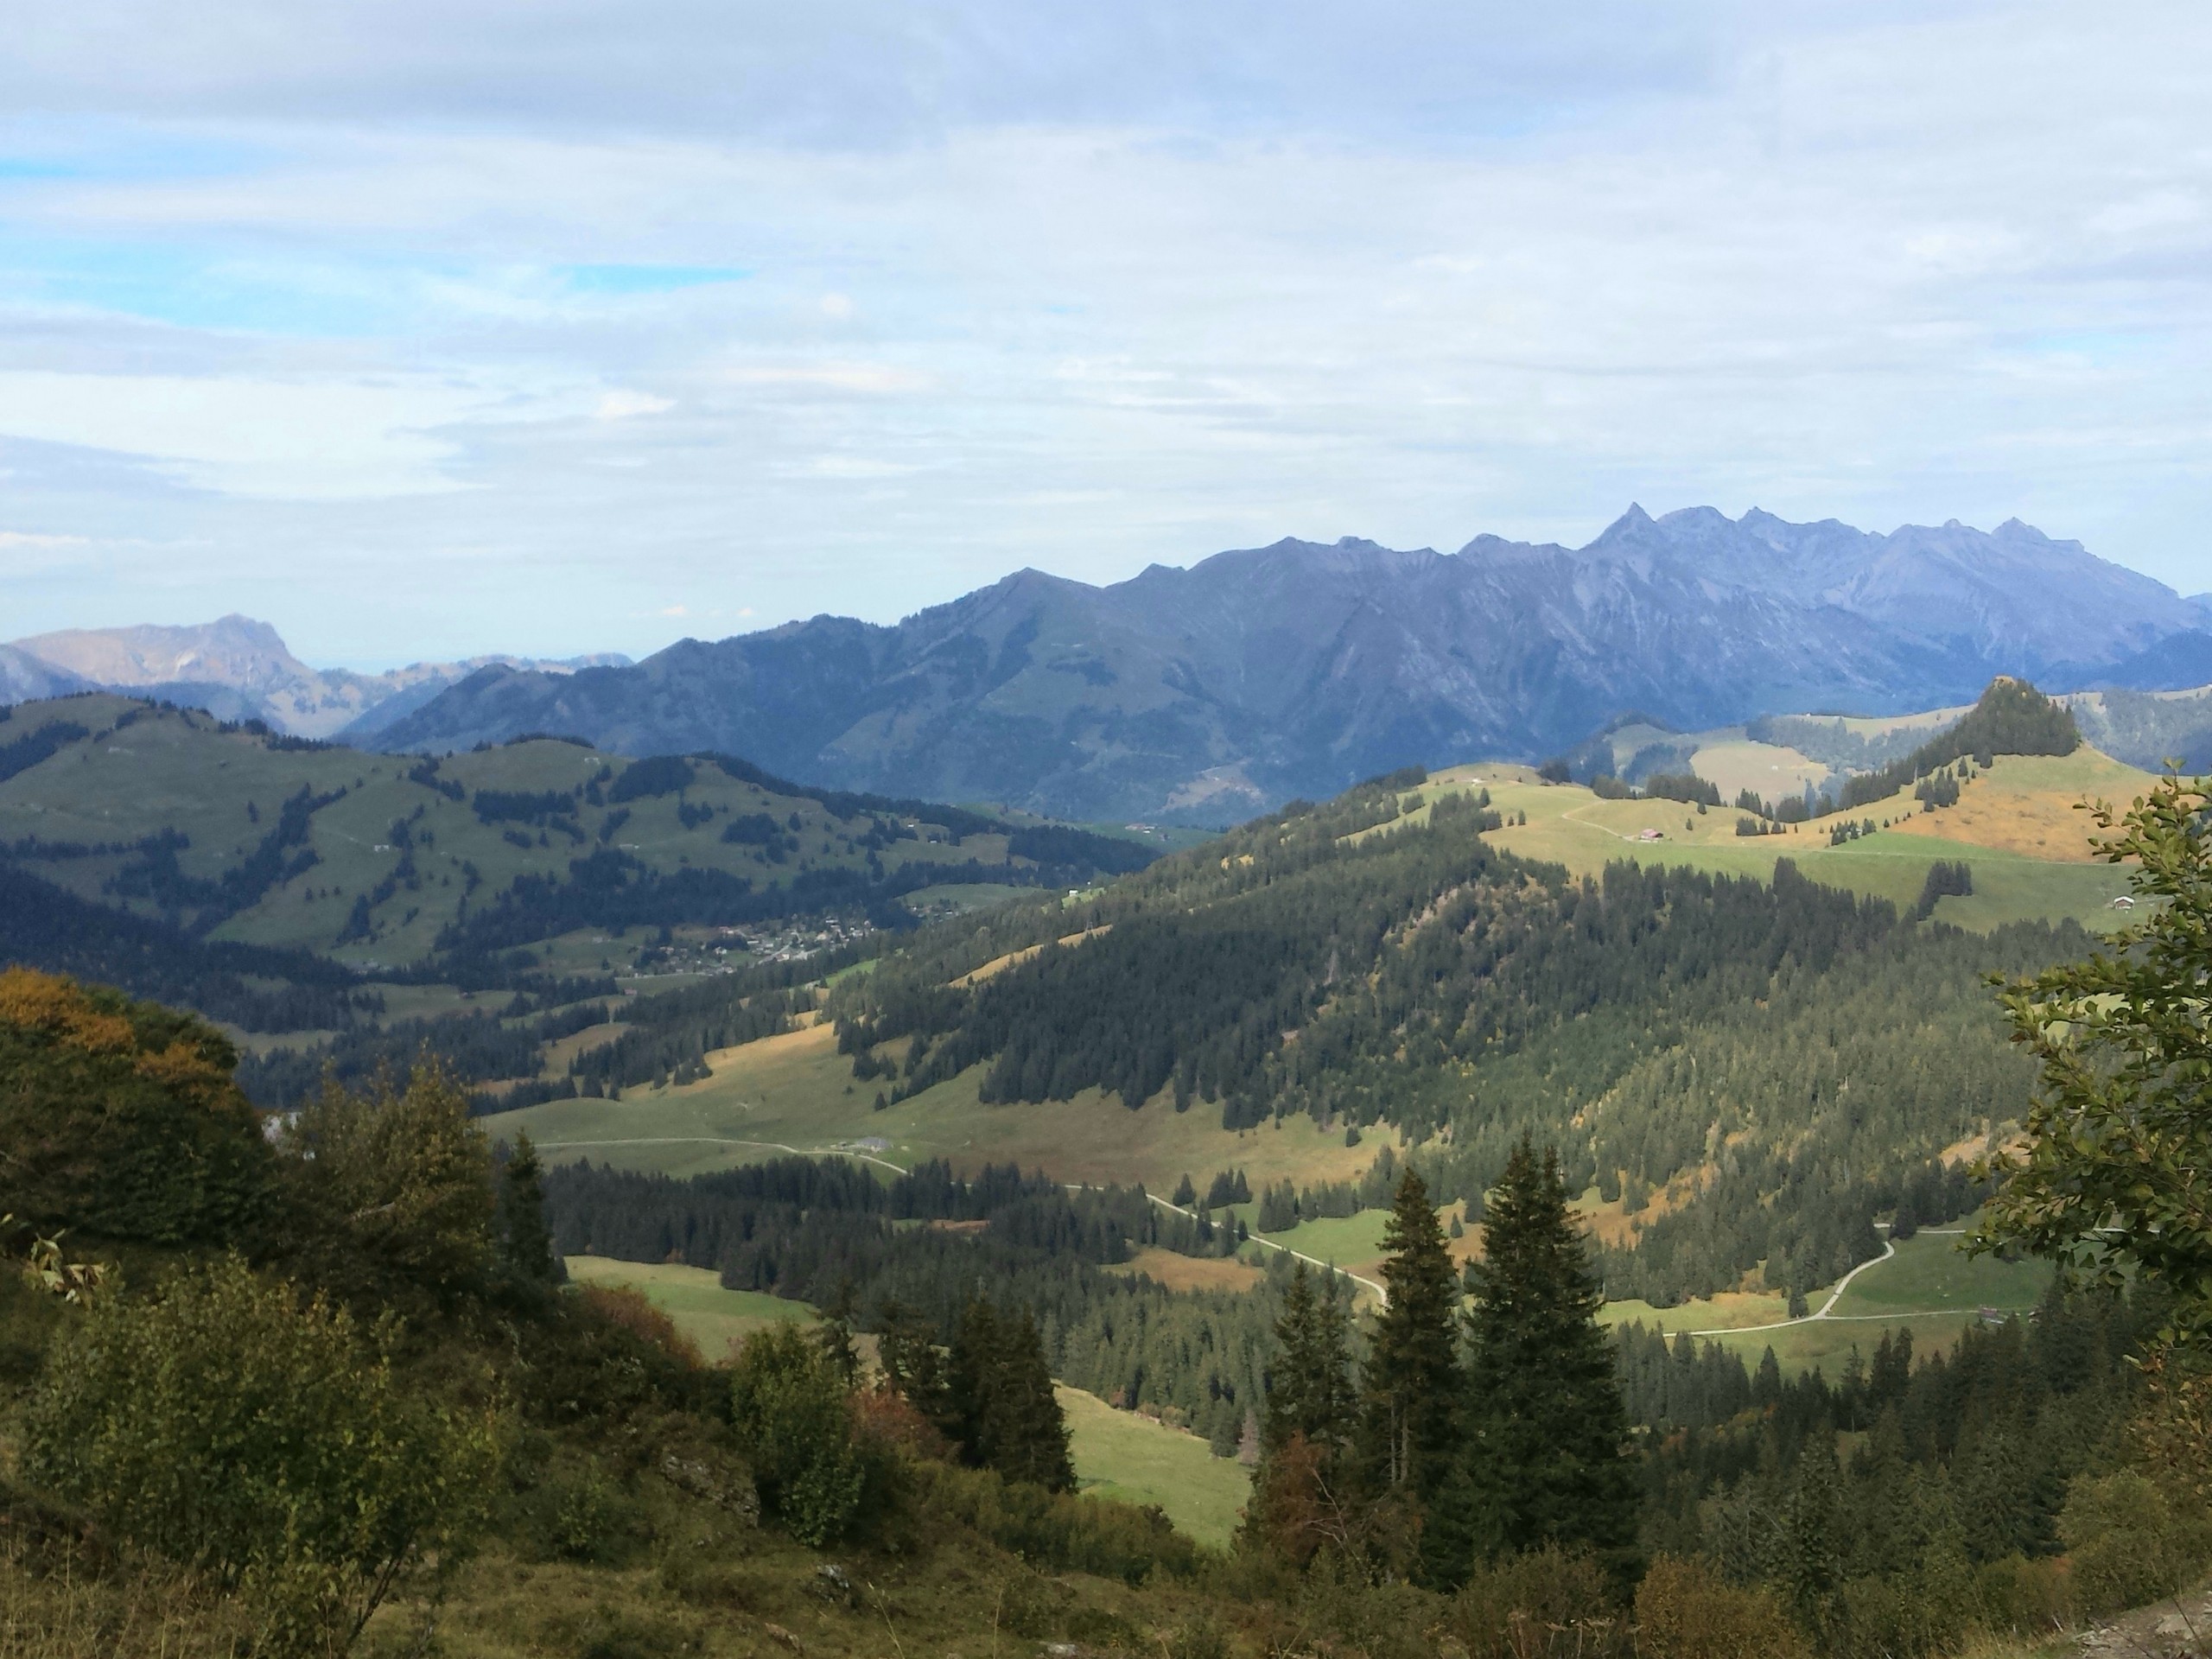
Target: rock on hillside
(1206, 693)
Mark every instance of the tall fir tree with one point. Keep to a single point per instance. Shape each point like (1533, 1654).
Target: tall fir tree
(1309, 1385)
(1299, 1499)
(526, 1257)
(1407, 1440)
(1547, 1429)
(1003, 1412)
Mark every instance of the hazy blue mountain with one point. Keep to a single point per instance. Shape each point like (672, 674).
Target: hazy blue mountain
(236, 668)
(24, 678)
(1204, 693)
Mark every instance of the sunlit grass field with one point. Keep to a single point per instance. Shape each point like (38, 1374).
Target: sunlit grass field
(712, 1317)
(1121, 1455)
(798, 1092)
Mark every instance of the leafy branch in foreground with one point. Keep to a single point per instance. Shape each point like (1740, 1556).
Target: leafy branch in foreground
(2115, 1173)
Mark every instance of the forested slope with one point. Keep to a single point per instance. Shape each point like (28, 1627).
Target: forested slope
(1750, 1071)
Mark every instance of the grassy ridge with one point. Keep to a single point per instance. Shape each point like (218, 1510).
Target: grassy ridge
(2016, 826)
(138, 771)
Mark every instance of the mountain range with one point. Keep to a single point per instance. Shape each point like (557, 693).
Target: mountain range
(239, 669)
(1204, 694)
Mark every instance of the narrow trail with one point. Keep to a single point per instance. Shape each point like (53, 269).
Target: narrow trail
(1825, 1310)
(1380, 1294)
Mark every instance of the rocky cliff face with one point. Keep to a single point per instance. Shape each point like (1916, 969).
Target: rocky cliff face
(1297, 669)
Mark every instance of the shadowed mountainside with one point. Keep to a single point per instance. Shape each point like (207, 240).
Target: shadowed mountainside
(1208, 693)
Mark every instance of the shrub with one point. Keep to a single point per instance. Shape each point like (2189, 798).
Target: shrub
(1058, 1529)
(1685, 1610)
(2128, 1543)
(796, 1427)
(1556, 1600)
(404, 1181)
(2024, 1597)
(632, 1310)
(120, 1118)
(226, 1427)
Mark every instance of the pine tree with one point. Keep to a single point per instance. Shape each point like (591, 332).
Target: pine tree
(906, 1349)
(835, 1333)
(1299, 1499)
(1409, 1429)
(1545, 1419)
(1003, 1411)
(527, 1255)
(1309, 1385)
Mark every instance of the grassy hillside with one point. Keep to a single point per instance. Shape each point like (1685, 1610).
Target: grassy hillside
(385, 860)
(797, 1092)
(2015, 823)
(1386, 963)
(1928, 1285)
(1119, 1454)
(713, 1318)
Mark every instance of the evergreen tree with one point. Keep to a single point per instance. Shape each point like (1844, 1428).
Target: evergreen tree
(906, 1348)
(527, 1255)
(1408, 1433)
(1547, 1426)
(1299, 1501)
(1309, 1385)
(1003, 1412)
(835, 1333)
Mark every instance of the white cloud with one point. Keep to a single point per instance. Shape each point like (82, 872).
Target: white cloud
(322, 440)
(621, 405)
(874, 379)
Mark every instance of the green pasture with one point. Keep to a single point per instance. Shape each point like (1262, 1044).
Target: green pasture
(712, 1317)
(796, 1092)
(1351, 1241)
(1120, 1455)
(1569, 825)
(1930, 1287)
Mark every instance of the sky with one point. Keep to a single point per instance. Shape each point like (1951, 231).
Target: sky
(423, 330)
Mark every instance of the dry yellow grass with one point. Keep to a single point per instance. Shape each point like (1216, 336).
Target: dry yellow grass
(2025, 804)
(1191, 1271)
(998, 965)
(1767, 770)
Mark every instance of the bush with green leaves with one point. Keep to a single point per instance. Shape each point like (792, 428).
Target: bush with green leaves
(270, 1443)
(788, 1402)
(395, 1192)
(2129, 1543)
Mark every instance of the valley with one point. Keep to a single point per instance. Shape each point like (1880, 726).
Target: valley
(882, 1079)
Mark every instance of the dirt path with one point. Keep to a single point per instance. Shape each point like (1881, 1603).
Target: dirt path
(1826, 1310)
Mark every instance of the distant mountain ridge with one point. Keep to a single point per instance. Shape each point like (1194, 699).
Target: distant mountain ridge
(237, 668)
(1207, 693)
